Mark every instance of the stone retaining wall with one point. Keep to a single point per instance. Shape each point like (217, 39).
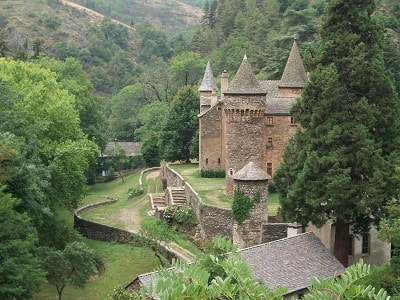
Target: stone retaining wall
(212, 220)
(97, 231)
(215, 220)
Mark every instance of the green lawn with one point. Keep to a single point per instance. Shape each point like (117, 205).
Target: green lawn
(211, 190)
(123, 262)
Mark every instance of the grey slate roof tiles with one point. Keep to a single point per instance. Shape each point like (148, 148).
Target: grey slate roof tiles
(279, 105)
(251, 172)
(294, 74)
(292, 262)
(289, 262)
(208, 83)
(245, 82)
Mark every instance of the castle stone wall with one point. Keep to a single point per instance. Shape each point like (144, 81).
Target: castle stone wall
(244, 134)
(211, 142)
(279, 131)
(249, 233)
(212, 220)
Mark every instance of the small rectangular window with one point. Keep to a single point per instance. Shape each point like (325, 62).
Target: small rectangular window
(231, 171)
(206, 161)
(365, 243)
(269, 143)
(292, 121)
(269, 169)
(270, 120)
(219, 160)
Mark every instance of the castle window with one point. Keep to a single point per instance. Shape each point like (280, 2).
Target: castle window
(269, 143)
(219, 160)
(206, 161)
(292, 121)
(270, 121)
(231, 171)
(351, 245)
(219, 108)
(365, 243)
(269, 169)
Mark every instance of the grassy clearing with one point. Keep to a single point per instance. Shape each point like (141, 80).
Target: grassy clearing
(212, 190)
(123, 264)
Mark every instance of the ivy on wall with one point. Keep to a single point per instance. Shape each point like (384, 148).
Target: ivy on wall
(242, 204)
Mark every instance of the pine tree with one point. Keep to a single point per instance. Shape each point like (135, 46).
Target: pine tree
(342, 165)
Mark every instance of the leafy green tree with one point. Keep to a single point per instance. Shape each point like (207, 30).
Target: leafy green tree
(154, 43)
(74, 265)
(73, 78)
(20, 269)
(119, 160)
(124, 110)
(389, 227)
(181, 126)
(343, 164)
(53, 153)
(187, 69)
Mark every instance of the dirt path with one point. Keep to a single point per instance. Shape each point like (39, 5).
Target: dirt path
(93, 13)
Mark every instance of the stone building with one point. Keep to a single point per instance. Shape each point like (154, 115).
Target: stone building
(251, 119)
(250, 122)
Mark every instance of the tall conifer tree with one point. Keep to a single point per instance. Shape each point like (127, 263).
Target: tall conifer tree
(342, 166)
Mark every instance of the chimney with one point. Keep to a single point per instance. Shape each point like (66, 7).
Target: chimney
(224, 82)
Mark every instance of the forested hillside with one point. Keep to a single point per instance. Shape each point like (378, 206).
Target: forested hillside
(72, 79)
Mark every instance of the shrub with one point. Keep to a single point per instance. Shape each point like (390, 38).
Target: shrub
(179, 213)
(213, 173)
(135, 191)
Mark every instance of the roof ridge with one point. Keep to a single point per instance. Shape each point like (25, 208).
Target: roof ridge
(277, 241)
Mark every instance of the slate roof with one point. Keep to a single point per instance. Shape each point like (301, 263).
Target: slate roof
(294, 74)
(245, 82)
(131, 148)
(208, 83)
(279, 105)
(292, 262)
(270, 86)
(289, 262)
(251, 172)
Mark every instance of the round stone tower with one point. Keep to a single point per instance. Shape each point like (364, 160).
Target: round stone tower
(244, 105)
(251, 183)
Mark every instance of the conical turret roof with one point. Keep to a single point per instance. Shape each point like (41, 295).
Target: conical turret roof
(208, 84)
(251, 172)
(295, 74)
(245, 82)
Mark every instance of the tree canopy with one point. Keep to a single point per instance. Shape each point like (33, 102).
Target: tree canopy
(343, 164)
(40, 124)
(181, 127)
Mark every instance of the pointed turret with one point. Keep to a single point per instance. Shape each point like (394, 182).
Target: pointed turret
(208, 84)
(294, 75)
(245, 82)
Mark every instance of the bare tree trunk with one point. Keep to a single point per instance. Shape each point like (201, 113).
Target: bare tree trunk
(342, 242)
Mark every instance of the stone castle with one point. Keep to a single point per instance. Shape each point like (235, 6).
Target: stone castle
(244, 131)
(251, 119)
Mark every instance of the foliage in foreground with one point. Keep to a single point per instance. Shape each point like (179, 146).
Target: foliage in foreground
(222, 274)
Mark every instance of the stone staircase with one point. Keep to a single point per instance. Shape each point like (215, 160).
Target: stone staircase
(178, 195)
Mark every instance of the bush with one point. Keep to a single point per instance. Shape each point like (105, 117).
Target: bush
(179, 213)
(135, 191)
(213, 173)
